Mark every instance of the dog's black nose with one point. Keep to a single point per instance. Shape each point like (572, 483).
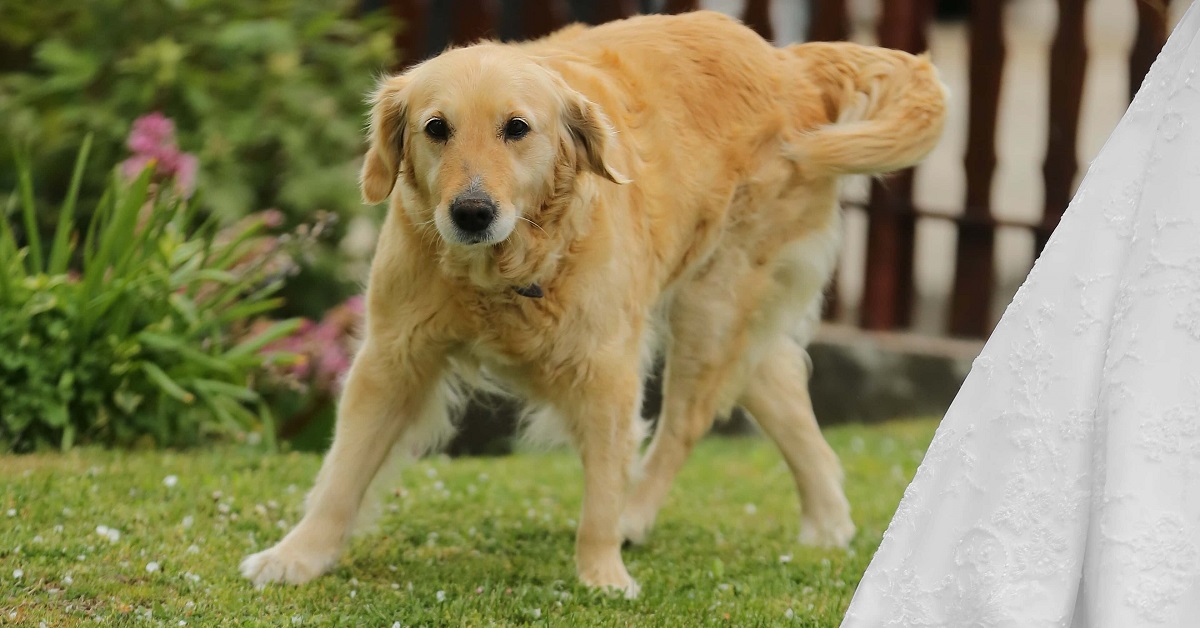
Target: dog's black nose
(473, 213)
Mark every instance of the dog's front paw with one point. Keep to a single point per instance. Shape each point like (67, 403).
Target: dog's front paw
(827, 532)
(287, 565)
(610, 575)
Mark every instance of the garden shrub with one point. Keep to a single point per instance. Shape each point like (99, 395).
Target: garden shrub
(133, 327)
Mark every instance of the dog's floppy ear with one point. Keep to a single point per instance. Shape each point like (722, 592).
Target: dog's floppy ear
(592, 135)
(386, 138)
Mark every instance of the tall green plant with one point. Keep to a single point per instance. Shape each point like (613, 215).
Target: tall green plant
(130, 327)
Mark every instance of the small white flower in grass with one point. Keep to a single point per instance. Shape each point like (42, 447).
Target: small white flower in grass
(353, 594)
(17, 573)
(785, 558)
(537, 612)
(112, 534)
(789, 613)
(182, 623)
(190, 604)
(37, 539)
(188, 521)
(193, 549)
(751, 509)
(170, 481)
(223, 508)
(395, 586)
(12, 512)
(431, 472)
(396, 624)
(67, 512)
(297, 620)
(68, 580)
(58, 529)
(441, 596)
(151, 567)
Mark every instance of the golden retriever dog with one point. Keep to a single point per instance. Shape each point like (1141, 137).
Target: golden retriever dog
(564, 210)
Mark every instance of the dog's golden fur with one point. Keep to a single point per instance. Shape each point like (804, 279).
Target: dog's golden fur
(676, 193)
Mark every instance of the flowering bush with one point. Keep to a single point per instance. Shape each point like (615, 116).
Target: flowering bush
(132, 327)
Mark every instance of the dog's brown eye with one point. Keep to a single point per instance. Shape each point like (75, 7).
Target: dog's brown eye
(437, 129)
(516, 129)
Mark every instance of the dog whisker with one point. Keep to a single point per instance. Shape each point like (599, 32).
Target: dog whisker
(533, 223)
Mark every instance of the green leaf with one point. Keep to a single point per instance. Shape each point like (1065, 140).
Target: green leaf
(29, 212)
(255, 344)
(166, 384)
(60, 252)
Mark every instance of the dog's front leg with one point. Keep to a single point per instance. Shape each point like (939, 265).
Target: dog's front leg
(602, 416)
(384, 396)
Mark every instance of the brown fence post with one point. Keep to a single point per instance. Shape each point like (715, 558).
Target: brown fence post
(543, 17)
(409, 41)
(1152, 30)
(757, 15)
(891, 230)
(1068, 60)
(830, 21)
(970, 303)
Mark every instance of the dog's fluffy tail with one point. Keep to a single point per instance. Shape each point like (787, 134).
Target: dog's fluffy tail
(886, 108)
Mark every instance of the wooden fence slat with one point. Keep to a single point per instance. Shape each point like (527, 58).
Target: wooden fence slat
(1068, 60)
(542, 17)
(409, 42)
(891, 227)
(970, 307)
(1152, 30)
(757, 15)
(472, 20)
(681, 6)
(830, 21)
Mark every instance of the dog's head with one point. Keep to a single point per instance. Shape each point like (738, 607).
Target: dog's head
(478, 141)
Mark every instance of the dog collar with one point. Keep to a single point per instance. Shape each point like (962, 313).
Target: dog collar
(532, 291)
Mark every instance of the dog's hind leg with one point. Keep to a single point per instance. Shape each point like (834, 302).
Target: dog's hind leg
(708, 335)
(778, 399)
(387, 394)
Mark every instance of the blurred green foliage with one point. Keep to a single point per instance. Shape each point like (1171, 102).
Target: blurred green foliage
(267, 94)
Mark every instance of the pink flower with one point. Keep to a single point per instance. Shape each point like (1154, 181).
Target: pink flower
(151, 133)
(152, 140)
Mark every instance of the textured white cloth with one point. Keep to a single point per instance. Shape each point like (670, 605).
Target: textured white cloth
(1063, 486)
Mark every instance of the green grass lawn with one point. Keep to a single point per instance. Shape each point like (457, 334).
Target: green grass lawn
(462, 542)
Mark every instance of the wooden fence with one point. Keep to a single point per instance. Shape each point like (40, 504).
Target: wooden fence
(888, 284)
